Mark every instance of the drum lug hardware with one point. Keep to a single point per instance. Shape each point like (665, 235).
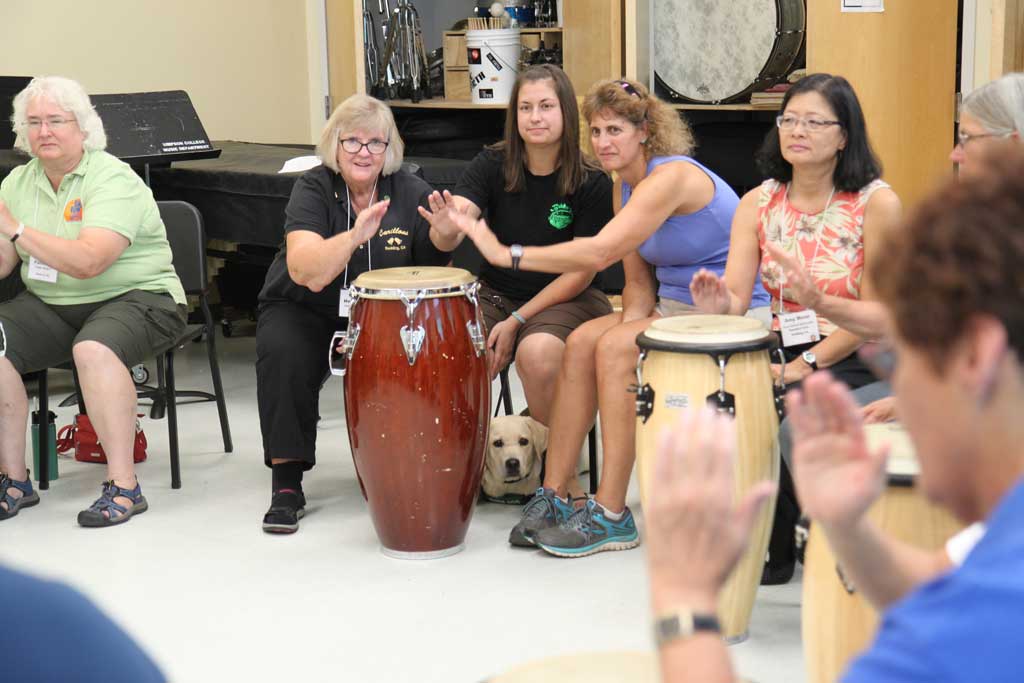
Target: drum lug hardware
(722, 401)
(347, 341)
(476, 336)
(644, 400)
(412, 341)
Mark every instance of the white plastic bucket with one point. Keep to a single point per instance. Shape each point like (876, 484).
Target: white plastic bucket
(493, 64)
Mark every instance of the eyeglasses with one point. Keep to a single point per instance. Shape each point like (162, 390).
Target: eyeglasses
(880, 358)
(963, 138)
(53, 123)
(354, 146)
(786, 122)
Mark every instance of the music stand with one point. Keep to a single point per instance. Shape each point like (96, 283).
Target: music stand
(153, 128)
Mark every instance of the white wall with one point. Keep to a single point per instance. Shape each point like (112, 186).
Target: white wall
(245, 63)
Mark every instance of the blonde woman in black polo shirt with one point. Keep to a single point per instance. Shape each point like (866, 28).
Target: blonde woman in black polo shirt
(535, 188)
(332, 225)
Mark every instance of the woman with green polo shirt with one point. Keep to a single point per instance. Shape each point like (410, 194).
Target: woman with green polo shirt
(100, 286)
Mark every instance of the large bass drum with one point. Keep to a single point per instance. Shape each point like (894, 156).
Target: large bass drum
(717, 52)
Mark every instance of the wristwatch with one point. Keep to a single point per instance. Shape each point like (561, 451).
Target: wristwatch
(517, 253)
(810, 359)
(682, 623)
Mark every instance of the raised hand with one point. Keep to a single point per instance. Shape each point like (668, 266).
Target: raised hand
(710, 295)
(490, 248)
(882, 410)
(798, 283)
(695, 531)
(442, 209)
(837, 476)
(368, 221)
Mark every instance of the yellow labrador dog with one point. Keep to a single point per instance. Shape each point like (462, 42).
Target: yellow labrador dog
(513, 463)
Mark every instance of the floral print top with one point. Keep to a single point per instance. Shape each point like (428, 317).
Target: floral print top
(830, 244)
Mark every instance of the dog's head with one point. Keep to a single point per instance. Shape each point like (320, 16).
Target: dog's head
(514, 451)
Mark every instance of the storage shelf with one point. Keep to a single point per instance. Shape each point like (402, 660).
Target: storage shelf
(438, 103)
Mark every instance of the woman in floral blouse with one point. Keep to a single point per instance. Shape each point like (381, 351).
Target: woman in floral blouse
(825, 205)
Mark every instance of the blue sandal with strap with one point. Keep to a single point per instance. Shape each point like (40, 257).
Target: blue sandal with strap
(115, 513)
(9, 505)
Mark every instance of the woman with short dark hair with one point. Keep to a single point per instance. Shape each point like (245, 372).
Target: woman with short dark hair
(824, 204)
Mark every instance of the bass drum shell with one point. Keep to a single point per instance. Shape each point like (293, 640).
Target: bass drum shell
(720, 52)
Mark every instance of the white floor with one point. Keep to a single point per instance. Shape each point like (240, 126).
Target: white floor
(212, 597)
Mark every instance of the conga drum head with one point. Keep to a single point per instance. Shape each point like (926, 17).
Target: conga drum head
(708, 330)
(711, 52)
(596, 667)
(390, 283)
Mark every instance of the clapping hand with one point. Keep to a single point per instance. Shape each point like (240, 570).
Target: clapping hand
(368, 221)
(710, 295)
(442, 210)
(695, 531)
(799, 284)
(490, 248)
(837, 476)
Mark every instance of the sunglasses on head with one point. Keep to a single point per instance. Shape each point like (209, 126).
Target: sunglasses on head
(629, 89)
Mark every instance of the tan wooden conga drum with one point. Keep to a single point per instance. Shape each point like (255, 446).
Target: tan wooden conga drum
(838, 622)
(417, 397)
(720, 360)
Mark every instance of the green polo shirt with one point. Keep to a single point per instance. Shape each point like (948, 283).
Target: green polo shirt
(102, 192)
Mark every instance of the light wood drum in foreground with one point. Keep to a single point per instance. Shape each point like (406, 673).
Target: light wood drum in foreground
(720, 360)
(838, 622)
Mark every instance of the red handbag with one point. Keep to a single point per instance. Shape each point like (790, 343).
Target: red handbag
(81, 436)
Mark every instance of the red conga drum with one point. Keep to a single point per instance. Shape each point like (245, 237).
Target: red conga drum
(417, 397)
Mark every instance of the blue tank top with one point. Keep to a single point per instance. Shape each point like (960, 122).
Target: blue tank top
(685, 244)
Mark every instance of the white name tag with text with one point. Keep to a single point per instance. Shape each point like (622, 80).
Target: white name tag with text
(37, 270)
(799, 328)
(345, 303)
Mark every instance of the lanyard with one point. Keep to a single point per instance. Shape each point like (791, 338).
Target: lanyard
(348, 227)
(797, 252)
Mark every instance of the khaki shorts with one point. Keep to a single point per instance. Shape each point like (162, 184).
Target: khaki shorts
(558, 320)
(135, 326)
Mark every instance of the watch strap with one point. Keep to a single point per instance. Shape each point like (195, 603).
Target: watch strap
(681, 624)
(517, 253)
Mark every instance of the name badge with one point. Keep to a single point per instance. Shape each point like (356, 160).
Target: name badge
(37, 270)
(345, 303)
(799, 328)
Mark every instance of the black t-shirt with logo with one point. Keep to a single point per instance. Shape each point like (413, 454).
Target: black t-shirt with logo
(536, 217)
(319, 204)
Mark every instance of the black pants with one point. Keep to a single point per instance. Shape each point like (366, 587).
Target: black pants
(291, 365)
(782, 546)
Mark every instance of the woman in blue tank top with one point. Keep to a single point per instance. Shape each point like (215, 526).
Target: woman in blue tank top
(671, 213)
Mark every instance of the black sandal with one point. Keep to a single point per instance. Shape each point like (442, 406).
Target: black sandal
(115, 513)
(287, 507)
(28, 497)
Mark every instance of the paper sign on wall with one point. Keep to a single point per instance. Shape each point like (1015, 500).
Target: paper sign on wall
(863, 5)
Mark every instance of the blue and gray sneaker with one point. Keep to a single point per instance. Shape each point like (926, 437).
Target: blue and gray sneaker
(544, 510)
(589, 531)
